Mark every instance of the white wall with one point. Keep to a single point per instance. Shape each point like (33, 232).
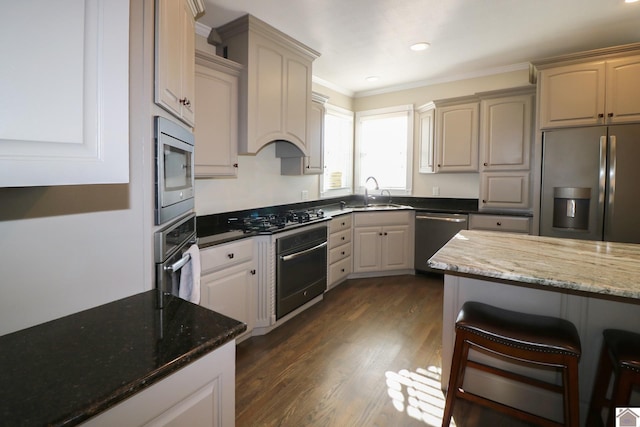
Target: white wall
(65, 249)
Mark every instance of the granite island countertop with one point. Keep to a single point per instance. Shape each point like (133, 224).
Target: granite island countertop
(594, 267)
(67, 370)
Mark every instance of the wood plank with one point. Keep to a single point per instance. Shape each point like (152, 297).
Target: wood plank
(369, 354)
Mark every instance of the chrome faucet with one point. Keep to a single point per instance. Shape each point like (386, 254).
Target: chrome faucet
(366, 191)
(388, 194)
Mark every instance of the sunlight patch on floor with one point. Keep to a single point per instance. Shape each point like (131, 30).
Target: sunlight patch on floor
(418, 394)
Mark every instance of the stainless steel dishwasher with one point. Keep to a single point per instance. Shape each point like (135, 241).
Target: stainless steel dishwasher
(433, 230)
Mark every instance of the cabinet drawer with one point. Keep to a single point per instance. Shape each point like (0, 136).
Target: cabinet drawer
(366, 219)
(339, 223)
(341, 252)
(340, 238)
(513, 224)
(340, 270)
(226, 255)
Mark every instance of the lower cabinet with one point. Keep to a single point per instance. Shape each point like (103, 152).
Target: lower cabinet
(228, 282)
(202, 394)
(340, 246)
(383, 241)
(511, 224)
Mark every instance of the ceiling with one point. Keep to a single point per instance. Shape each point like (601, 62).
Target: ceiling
(361, 38)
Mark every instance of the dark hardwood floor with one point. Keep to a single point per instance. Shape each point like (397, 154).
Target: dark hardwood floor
(369, 354)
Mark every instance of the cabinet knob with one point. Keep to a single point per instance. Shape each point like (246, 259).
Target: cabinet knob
(379, 234)
(344, 223)
(342, 269)
(342, 238)
(253, 272)
(484, 201)
(498, 223)
(235, 165)
(230, 255)
(342, 252)
(600, 115)
(610, 115)
(486, 164)
(438, 165)
(385, 233)
(185, 102)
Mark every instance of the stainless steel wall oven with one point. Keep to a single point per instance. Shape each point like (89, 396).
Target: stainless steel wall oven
(301, 269)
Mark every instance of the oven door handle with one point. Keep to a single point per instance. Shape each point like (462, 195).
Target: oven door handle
(178, 264)
(306, 251)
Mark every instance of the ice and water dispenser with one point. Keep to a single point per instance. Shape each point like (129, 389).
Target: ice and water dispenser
(571, 207)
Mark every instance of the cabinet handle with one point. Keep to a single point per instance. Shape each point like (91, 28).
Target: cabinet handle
(185, 102)
(253, 272)
(230, 255)
(486, 164)
(342, 270)
(342, 252)
(235, 165)
(342, 238)
(385, 233)
(439, 165)
(484, 201)
(610, 115)
(600, 115)
(379, 234)
(344, 223)
(498, 223)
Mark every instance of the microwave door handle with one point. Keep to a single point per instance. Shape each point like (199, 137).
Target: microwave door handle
(178, 264)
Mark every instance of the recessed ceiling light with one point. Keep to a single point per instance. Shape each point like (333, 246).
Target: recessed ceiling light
(417, 47)
(372, 78)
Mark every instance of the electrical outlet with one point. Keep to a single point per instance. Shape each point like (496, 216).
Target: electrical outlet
(435, 191)
(304, 195)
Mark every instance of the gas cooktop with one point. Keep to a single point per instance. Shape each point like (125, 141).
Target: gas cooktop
(275, 222)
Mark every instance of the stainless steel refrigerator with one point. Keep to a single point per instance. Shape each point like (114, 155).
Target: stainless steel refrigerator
(591, 183)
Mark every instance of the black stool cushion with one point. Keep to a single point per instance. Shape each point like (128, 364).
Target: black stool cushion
(624, 346)
(529, 331)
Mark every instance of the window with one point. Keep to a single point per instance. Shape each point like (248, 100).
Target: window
(338, 152)
(384, 147)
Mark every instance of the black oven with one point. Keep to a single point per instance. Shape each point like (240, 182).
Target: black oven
(174, 170)
(301, 269)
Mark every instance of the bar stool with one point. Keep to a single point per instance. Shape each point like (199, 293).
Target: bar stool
(620, 357)
(533, 339)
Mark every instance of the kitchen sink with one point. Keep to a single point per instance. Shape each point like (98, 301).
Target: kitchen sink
(377, 206)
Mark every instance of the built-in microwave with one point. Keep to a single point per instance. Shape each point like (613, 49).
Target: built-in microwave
(174, 170)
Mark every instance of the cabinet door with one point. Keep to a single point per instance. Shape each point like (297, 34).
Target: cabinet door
(457, 138)
(216, 129)
(175, 58)
(397, 252)
(297, 101)
(230, 292)
(265, 109)
(65, 93)
(505, 132)
(572, 95)
(314, 162)
(504, 190)
(427, 120)
(367, 249)
(623, 90)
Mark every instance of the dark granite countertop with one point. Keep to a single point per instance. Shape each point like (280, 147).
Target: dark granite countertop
(65, 371)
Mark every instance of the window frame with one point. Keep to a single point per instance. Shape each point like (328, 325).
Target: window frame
(348, 190)
(407, 109)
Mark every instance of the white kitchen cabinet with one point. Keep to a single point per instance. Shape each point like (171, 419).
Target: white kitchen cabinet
(216, 120)
(228, 282)
(175, 57)
(426, 120)
(201, 394)
(65, 93)
(590, 93)
(340, 250)
(291, 163)
(506, 223)
(383, 241)
(456, 135)
(506, 118)
(275, 85)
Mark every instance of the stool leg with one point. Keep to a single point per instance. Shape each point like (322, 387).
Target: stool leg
(621, 394)
(571, 392)
(456, 376)
(600, 386)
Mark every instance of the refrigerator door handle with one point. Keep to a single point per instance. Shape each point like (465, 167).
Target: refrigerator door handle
(603, 171)
(612, 180)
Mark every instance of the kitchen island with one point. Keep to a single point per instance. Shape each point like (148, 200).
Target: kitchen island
(122, 363)
(595, 285)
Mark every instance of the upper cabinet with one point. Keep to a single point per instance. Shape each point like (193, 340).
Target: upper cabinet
(456, 135)
(216, 127)
(590, 88)
(65, 100)
(313, 163)
(175, 56)
(426, 122)
(275, 85)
